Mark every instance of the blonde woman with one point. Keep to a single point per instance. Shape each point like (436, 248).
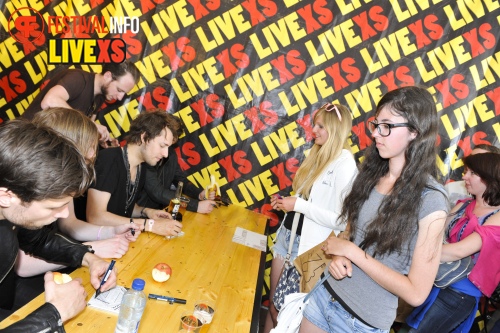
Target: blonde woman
(106, 241)
(319, 185)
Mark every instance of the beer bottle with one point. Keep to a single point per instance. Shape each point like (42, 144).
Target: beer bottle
(175, 203)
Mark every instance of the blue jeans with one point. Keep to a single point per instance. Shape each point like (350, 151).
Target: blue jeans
(447, 312)
(331, 317)
(280, 248)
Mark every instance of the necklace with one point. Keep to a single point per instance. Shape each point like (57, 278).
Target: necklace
(131, 188)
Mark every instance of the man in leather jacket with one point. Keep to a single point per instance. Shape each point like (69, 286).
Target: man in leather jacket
(40, 173)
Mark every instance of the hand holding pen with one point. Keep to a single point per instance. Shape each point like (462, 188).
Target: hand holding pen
(108, 273)
(132, 231)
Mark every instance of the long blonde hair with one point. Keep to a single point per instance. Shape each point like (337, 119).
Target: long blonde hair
(320, 156)
(73, 125)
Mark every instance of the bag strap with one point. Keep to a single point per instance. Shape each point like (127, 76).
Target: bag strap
(458, 214)
(295, 224)
(489, 215)
(320, 282)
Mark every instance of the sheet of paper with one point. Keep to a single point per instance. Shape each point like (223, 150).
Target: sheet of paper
(250, 239)
(109, 300)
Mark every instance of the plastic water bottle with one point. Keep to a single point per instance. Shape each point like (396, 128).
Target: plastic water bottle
(131, 308)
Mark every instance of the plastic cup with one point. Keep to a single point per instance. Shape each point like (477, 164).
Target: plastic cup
(204, 309)
(190, 322)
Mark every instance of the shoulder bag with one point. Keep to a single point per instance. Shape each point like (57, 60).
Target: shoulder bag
(310, 265)
(453, 271)
(290, 316)
(289, 279)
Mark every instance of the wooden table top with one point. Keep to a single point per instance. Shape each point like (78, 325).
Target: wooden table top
(205, 263)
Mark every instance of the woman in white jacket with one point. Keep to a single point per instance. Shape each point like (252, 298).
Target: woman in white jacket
(320, 185)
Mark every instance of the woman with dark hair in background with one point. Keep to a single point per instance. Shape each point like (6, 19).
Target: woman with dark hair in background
(472, 230)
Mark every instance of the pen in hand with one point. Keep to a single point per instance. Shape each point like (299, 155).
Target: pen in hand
(105, 278)
(132, 230)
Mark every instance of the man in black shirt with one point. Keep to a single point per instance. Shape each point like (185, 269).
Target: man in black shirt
(84, 91)
(120, 176)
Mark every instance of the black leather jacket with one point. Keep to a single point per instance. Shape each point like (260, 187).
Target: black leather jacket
(44, 243)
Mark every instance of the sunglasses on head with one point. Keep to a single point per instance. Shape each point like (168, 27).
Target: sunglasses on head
(329, 107)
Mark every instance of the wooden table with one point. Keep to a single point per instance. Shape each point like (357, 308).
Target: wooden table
(205, 263)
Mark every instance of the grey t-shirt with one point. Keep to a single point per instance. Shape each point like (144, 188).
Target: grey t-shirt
(366, 298)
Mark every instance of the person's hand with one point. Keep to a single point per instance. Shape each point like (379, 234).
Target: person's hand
(69, 298)
(203, 195)
(98, 268)
(103, 133)
(336, 246)
(288, 203)
(285, 204)
(110, 143)
(344, 235)
(340, 267)
(157, 214)
(123, 231)
(114, 247)
(167, 227)
(206, 206)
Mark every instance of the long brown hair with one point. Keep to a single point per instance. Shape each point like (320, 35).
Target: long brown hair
(397, 216)
(73, 125)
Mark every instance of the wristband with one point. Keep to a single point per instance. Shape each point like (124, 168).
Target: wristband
(151, 222)
(90, 249)
(99, 233)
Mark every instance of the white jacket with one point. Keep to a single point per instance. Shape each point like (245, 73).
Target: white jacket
(325, 201)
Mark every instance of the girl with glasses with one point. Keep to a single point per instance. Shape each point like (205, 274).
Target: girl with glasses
(473, 229)
(320, 183)
(396, 212)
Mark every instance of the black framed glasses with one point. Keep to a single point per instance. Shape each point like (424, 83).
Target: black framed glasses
(383, 128)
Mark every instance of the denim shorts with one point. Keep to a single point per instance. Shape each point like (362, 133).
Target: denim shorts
(280, 248)
(330, 316)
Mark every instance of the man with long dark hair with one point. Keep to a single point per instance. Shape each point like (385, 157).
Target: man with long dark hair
(120, 176)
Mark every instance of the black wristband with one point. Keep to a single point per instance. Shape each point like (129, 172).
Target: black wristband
(142, 212)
